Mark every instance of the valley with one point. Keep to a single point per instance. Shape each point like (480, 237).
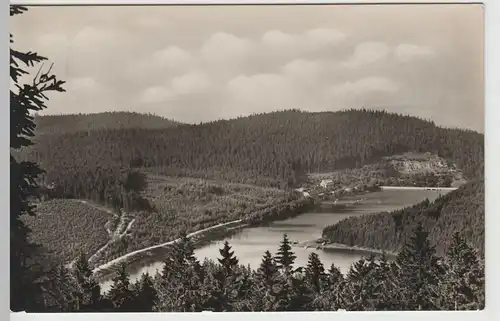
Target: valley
(147, 203)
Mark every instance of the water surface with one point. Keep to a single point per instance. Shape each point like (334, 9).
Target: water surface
(249, 244)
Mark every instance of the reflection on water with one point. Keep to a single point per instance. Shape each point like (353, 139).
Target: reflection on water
(249, 244)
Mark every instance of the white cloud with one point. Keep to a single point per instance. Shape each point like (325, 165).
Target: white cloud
(260, 93)
(193, 82)
(368, 53)
(222, 46)
(302, 70)
(53, 40)
(251, 85)
(156, 94)
(324, 37)
(278, 38)
(364, 86)
(93, 37)
(408, 52)
(149, 22)
(172, 56)
(313, 39)
(85, 84)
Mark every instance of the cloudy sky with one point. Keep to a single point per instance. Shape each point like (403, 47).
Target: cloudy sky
(203, 63)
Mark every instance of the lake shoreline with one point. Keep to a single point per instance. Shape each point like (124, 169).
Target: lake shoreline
(134, 260)
(147, 256)
(339, 247)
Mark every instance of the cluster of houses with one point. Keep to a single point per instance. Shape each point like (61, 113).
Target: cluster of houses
(333, 188)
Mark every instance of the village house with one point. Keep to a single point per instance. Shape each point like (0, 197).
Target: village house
(326, 183)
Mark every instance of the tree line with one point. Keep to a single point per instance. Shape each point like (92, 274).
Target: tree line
(57, 124)
(416, 280)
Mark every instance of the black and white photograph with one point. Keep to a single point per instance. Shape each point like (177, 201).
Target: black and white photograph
(247, 158)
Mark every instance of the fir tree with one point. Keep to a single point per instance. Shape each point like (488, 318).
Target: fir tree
(388, 291)
(180, 281)
(334, 276)
(315, 273)
(145, 294)
(25, 99)
(120, 293)
(463, 283)
(60, 291)
(267, 271)
(419, 272)
(88, 290)
(245, 285)
(285, 257)
(266, 278)
(361, 290)
(227, 279)
(228, 260)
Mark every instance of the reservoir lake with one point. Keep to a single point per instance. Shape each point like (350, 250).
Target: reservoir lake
(250, 243)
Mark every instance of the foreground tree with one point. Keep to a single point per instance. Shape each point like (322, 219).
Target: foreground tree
(315, 275)
(25, 99)
(462, 287)
(120, 293)
(178, 288)
(419, 272)
(225, 280)
(285, 257)
(88, 290)
(145, 296)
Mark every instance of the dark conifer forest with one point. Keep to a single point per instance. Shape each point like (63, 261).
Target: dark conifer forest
(271, 149)
(110, 159)
(274, 150)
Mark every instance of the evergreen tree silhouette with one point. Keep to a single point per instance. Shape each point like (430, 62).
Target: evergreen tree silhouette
(315, 273)
(146, 296)
(89, 291)
(267, 276)
(463, 283)
(25, 99)
(120, 293)
(228, 260)
(419, 272)
(267, 271)
(285, 257)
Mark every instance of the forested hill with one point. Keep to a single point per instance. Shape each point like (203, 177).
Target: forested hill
(58, 124)
(458, 211)
(270, 149)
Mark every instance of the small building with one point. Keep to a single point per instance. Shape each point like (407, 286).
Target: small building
(326, 183)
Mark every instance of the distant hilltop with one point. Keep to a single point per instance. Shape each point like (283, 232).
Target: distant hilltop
(60, 124)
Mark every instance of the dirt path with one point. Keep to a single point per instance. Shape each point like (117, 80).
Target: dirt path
(123, 257)
(123, 227)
